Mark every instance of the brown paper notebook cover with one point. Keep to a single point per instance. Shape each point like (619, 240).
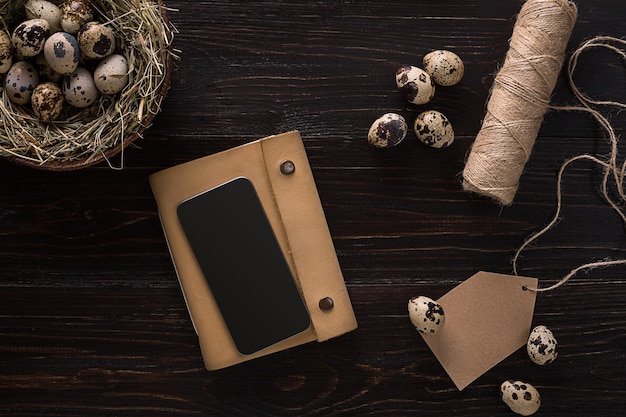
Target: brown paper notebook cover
(293, 208)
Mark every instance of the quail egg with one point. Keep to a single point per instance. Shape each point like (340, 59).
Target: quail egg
(111, 74)
(96, 40)
(434, 129)
(415, 84)
(74, 14)
(47, 101)
(48, 11)
(6, 52)
(444, 67)
(426, 315)
(45, 70)
(387, 131)
(62, 53)
(79, 89)
(521, 397)
(542, 346)
(29, 37)
(20, 82)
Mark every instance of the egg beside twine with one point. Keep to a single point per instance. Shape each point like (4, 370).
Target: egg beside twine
(444, 67)
(433, 129)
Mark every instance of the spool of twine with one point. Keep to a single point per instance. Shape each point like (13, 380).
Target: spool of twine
(519, 98)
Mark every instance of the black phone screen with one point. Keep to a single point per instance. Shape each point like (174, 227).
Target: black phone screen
(244, 266)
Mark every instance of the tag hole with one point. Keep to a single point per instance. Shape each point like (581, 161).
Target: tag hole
(524, 288)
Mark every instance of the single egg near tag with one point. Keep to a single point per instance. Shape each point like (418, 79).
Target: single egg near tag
(542, 346)
(426, 315)
(488, 317)
(521, 397)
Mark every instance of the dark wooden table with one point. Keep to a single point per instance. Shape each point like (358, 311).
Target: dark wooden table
(92, 319)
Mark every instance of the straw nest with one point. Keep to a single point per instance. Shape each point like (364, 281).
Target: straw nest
(84, 137)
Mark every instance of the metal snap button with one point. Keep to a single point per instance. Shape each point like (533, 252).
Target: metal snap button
(287, 167)
(326, 304)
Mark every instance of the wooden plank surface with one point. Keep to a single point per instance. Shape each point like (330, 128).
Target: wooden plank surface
(92, 320)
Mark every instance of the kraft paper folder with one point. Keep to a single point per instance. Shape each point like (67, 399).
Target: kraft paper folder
(294, 210)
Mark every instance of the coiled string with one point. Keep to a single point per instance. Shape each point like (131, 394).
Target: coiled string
(614, 171)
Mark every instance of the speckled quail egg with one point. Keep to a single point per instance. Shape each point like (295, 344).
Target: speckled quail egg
(96, 40)
(20, 82)
(387, 131)
(542, 346)
(29, 37)
(522, 398)
(6, 52)
(434, 129)
(111, 74)
(47, 101)
(426, 315)
(415, 84)
(48, 11)
(79, 88)
(62, 52)
(444, 67)
(45, 70)
(74, 14)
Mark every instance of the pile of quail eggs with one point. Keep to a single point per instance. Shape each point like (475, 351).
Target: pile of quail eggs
(417, 85)
(60, 55)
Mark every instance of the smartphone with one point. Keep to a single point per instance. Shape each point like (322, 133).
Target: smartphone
(244, 266)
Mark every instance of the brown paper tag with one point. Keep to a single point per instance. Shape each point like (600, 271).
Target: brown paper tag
(488, 317)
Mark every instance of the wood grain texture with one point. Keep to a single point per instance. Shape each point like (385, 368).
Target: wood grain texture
(92, 320)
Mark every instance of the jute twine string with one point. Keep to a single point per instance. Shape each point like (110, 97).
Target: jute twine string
(519, 98)
(614, 171)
